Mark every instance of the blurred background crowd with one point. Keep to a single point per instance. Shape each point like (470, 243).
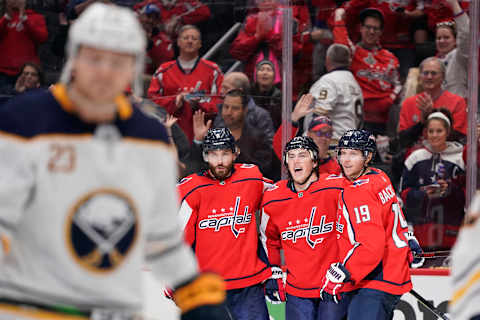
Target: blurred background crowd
(395, 67)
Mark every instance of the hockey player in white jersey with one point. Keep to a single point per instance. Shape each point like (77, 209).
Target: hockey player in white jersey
(464, 304)
(87, 190)
(337, 93)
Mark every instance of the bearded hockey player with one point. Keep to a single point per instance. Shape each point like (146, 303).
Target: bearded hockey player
(87, 193)
(299, 216)
(218, 212)
(374, 243)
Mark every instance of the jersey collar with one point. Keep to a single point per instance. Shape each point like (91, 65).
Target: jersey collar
(59, 91)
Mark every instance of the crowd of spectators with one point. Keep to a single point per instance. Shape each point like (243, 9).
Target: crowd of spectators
(353, 61)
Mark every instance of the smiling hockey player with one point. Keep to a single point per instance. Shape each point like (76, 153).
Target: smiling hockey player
(374, 245)
(299, 216)
(218, 212)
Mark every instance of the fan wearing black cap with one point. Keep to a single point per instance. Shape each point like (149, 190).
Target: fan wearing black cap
(319, 130)
(374, 68)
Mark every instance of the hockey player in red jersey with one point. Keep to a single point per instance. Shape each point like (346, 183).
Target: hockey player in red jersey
(298, 216)
(373, 268)
(218, 214)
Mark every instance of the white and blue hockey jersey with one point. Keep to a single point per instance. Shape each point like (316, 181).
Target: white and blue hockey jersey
(85, 206)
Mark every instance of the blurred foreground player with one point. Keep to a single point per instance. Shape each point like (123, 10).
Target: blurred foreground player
(299, 216)
(374, 240)
(465, 267)
(87, 192)
(218, 212)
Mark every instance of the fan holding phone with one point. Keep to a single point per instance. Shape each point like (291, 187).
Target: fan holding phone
(433, 184)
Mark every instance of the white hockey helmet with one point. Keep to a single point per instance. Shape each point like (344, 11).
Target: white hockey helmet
(107, 27)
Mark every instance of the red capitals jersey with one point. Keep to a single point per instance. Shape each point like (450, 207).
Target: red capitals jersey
(303, 225)
(170, 80)
(410, 115)
(161, 51)
(220, 224)
(372, 231)
(376, 71)
(184, 11)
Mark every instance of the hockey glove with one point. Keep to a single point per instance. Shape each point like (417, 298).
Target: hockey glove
(274, 287)
(202, 298)
(333, 282)
(414, 256)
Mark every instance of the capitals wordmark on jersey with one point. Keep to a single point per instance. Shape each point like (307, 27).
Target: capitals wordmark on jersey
(302, 224)
(227, 219)
(220, 225)
(308, 230)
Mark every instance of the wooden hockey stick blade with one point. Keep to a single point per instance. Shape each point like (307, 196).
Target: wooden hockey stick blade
(428, 305)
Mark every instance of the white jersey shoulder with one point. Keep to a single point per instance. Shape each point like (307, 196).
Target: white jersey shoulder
(466, 267)
(338, 95)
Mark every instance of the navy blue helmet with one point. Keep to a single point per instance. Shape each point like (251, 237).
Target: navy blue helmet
(301, 142)
(359, 140)
(219, 138)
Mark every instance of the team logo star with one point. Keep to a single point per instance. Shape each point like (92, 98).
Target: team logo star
(289, 223)
(223, 209)
(306, 220)
(298, 221)
(214, 211)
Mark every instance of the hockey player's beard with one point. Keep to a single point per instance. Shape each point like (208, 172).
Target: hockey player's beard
(227, 170)
(92, 111)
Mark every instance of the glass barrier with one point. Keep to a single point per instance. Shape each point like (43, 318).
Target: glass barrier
(281, 50)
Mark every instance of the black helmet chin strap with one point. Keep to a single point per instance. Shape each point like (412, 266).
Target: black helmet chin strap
(361, 172)
(304, 181)
(307, 178)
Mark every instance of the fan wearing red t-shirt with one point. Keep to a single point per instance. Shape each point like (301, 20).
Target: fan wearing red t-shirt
(414, 109)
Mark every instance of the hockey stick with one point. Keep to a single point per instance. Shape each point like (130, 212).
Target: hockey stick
(429, 305)
(433, 254)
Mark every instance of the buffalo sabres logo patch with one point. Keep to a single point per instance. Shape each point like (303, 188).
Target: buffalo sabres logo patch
(101, 229)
